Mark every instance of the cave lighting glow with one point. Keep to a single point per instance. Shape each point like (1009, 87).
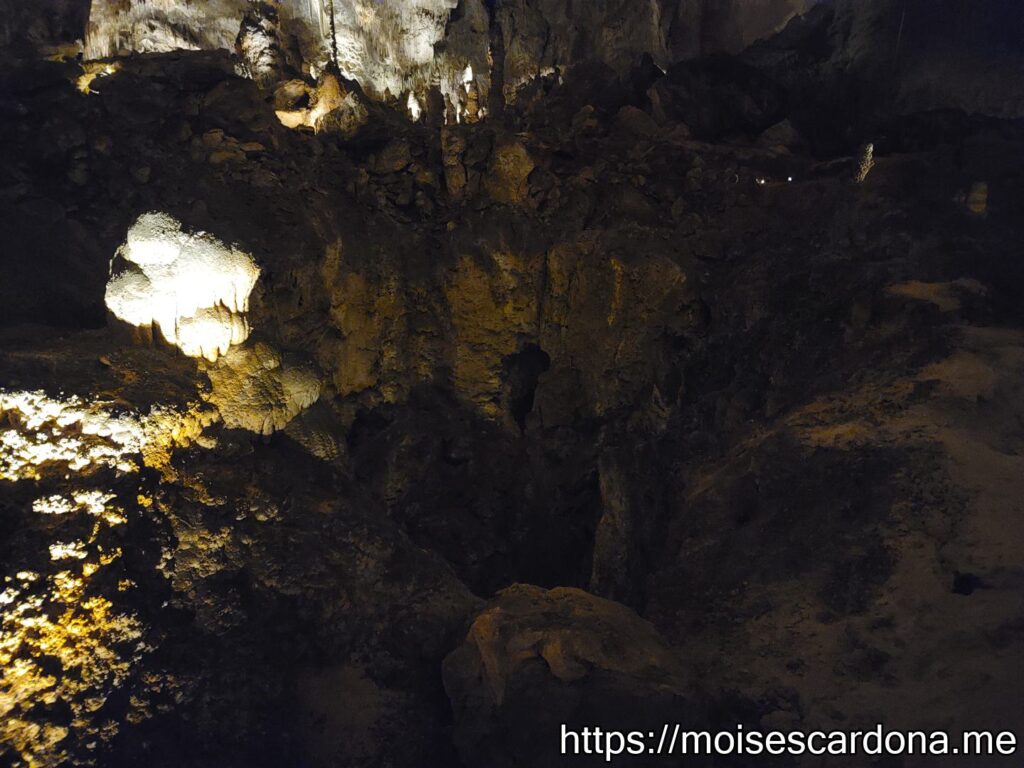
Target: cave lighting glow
(414, 107)
(68, 639)
(389, 47)
(63, 642)
(68, 433)
(93, 70)
(191, 287)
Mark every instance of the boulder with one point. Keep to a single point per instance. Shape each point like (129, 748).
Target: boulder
(536, 659)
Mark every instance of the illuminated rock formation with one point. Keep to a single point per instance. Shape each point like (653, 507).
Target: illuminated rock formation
(255, 390)
(155, 26)
(258, 43)
(639, 337)
(400, 49)
(327, 106)
(71, 433)
(66, 638)
(391, 47)
(191, 287)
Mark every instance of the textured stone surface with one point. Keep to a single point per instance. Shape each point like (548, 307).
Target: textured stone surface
(545, 35)
(188, 287)
(252, 388)
(117, 29)
(534, 658)
(47, 25)
(391, 47)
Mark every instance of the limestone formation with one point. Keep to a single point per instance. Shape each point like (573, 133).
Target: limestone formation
(391, 47)
(258, 43)
(509, 173)
(254, 389)
(190, 287)
(865, 162)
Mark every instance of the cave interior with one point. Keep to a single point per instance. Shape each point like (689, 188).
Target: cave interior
(395, 383)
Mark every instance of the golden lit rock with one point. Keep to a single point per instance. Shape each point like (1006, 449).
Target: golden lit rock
(254, 389)
(511, 166)
(91, 71)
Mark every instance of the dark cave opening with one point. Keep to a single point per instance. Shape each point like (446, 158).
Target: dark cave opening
(522, 372)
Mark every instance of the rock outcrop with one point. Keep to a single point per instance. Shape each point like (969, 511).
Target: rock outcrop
(398, 47)
(866, 62)
(390, 47)
(189, 288)
(48, 27)
(254, 389)
(535, 659)
(542, 36)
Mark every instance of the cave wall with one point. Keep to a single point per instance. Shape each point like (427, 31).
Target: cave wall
(395, 46)
(117, 28)
(543, 35)
(968, 56)
(882, 59)
(41, 23)
(580, 319)
(388, 46)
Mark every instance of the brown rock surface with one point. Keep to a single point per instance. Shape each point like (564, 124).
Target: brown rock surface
(534, 659)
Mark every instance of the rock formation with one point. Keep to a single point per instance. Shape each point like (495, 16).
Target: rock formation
(391, 47)
(189, 287)
(536, 657)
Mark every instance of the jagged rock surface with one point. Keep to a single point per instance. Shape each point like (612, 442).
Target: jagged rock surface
(534, 657)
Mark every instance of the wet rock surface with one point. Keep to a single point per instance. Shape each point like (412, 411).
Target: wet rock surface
(643, 336)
